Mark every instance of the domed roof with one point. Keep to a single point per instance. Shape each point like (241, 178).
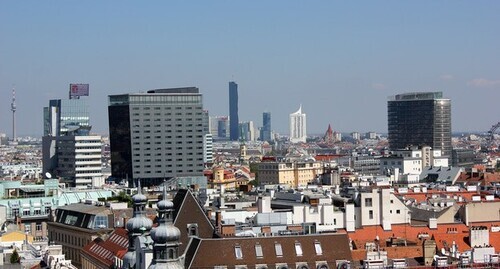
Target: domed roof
(165, 233)
(139, 198)
(139, 224)
(129, 259)
(164, 205)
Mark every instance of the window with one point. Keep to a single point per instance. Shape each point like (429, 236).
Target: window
(258, 251)
(368, 202)
(370, 214)
(193, 229)
(317, 247)
(278, 249)
(38, 227)
(298, 249)
(27, 227)
(398, 211)
(238, 253)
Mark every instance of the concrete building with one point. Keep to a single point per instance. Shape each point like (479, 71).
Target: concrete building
(298, 126)
(247, 131)
(420, 119)
(463, 157)
(156, 135)
(208, 152)
(381, 207)
(234, 130)
(68, 150)
(76, 225)
(412, 160)
(30, 206)
(356, 136)
(293, 174)
(75, 159)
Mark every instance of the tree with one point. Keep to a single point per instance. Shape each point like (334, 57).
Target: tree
(14, 258)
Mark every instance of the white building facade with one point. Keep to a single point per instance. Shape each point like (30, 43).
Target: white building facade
(298, 130)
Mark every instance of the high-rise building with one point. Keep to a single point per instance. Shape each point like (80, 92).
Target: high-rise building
(66, 117)
(265, 131)
(69, 152)
(420, 119)
(234, 130)
(157, 135)
(298, 131)
(247, 131)
(219, 127)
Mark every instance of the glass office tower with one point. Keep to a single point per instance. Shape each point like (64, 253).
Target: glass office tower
(234, 122)
(418, 119)
(66, 117)
(265, 132)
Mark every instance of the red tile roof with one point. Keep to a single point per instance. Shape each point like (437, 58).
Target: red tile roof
(444, 236)
(105, 250)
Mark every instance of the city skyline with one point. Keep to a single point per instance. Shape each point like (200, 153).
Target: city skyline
(340, 60)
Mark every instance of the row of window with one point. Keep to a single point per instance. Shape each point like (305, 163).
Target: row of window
(169, 171)
(168, 114)
(278, 250)
(167, 108)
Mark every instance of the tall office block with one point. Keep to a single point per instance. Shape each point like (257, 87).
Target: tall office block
(265, 131)
(66, 117)
(157, 135)
(222, 127)
(298, 131)
(234, 130)
(418, 119)
(247, 131)
(68, 151)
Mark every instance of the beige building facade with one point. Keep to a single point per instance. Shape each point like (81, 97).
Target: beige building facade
(293, 174)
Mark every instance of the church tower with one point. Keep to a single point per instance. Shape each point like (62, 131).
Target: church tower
(166, 237)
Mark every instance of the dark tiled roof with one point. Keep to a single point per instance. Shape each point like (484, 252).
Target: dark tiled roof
(207, 253)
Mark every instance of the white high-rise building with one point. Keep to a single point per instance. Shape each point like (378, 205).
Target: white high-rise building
(298, 126)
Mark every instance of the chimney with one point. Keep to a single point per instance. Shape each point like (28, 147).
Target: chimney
(218, 220)
(209, 213)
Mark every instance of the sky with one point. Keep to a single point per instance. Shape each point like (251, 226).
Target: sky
(340, 60)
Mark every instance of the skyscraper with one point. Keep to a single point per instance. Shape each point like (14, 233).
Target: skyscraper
(69, 152)
(234, 130)
(157, 135)
(298, 131)
(66, 117)
(418, 119)
(265, 131)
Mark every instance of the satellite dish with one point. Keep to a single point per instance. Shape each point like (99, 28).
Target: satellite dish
(48, 175)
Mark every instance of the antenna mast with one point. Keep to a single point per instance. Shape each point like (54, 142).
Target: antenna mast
(13, 109)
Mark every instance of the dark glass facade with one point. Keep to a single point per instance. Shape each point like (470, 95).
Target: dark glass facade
(120, 141)
(157, 135)
(66, 117)
(418, 119)
(265, 132)
(234, 130)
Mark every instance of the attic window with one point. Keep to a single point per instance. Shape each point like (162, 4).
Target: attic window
(298, 249)
(238, 253)
(278, 249)
(317, 247)
(258, 251)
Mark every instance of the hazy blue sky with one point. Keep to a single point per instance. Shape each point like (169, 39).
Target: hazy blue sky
(341, 60)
